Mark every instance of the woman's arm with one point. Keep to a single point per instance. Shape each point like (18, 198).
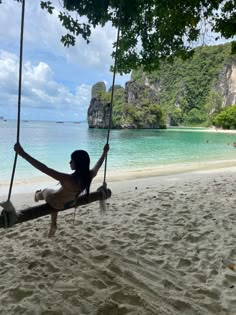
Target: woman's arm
(97, 166)
(40, 166)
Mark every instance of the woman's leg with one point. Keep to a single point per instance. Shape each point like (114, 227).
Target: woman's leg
(45, 195)
(53, 226)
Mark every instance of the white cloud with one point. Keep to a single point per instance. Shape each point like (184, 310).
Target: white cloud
(96, 54)
(39, 88)
(41, 73)
(8, 72)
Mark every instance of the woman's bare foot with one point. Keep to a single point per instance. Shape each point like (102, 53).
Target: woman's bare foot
(52, 230)
(38, 195)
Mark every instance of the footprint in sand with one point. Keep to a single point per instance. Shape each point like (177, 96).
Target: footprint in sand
(101, 246)
(183, 262)
(100, 258)
(19, 293)
(99, 284)
(170, 285)
(110, 307)
(211, 293)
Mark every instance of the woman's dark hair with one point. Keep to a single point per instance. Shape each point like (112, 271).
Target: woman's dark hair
(82, 169)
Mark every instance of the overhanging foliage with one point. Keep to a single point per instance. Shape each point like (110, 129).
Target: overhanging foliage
(152, 30)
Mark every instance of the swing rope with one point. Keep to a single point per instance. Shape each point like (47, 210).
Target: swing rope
(9, 213)
(112, 97)
(103, 188)
(19, 95)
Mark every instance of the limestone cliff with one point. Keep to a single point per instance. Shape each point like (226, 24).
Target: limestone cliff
(98, 114)
(134, 107)
(98, 111)
(227, 84)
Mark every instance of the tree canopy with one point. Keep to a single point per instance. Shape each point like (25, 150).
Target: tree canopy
(150, 31)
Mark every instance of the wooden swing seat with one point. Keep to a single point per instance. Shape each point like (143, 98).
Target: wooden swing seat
(35, 212)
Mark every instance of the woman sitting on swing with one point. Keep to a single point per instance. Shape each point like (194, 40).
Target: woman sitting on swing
(72, 185)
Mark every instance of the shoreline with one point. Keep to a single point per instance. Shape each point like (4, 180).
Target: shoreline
(30, 185)
(23, 193)
(205, 129)
(210, 129)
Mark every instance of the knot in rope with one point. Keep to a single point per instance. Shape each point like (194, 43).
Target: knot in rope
(9, 214)
(103, 190)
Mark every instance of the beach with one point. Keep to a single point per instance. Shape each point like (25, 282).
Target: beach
(166, 245)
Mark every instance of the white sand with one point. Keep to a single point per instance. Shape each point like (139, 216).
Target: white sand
(164, 247)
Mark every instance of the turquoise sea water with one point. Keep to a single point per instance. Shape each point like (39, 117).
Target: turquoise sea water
(52, 143)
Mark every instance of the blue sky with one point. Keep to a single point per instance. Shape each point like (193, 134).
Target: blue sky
(57, 80)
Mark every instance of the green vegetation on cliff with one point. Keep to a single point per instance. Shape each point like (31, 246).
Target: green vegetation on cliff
(187, 90)
(226, 118)
(142, 114)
